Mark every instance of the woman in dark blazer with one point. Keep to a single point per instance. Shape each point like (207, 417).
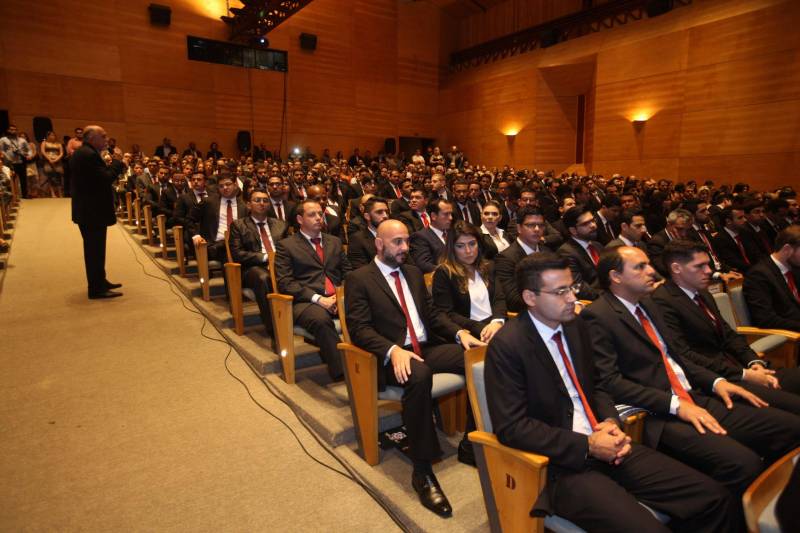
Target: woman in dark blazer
(463, 284)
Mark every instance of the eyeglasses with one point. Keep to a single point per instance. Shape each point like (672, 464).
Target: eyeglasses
(574, 289)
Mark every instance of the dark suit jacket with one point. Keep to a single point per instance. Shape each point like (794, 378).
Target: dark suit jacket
(603, 236)
(629, 366)
(772, 230)
(375, 318)
(722, 351)
(529, 404)
(655, 248)
(769, 300)
(182, 216)
(92, 187)
(425, 249)
(245, 240)
(361, 248)
(159, 152)
(205, 216)
(504, 266)
(448, 298)
(333, 225)
(167, 202)
(387, 191)
(301, 274)
(288, 212)
(474, 212)
(398, 206)
(411, 220)
(152, 197)
(763, 242)
(728, 251)
(582, 267)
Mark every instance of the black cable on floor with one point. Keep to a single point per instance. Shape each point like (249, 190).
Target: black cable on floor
(350, 473)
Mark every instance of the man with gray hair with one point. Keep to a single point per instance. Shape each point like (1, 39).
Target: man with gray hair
(93, 206)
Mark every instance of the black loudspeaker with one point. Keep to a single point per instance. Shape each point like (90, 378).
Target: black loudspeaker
(389, 145)
(243, 141)
(308, 41)
(160, 15)
(3, 121)
(41, 125)
(655, 8)
(548, 38)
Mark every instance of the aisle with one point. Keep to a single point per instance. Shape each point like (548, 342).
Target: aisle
(118, 415)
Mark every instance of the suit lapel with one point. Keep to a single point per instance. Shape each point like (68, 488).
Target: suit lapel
(542, 353)
(628, 319)
(381, 282)
(692, 308)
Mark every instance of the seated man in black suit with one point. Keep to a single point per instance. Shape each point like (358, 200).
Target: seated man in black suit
(251, 239)
(182, 216)
(409, 349)
(152, 195)
(632, 229)
(416, 217)
(169, 197)
(606, 219)
(582, 251)
(702, 336)
(734, 245)
(279, 207)
(755, 215)
(463, 207)
(213, 216)
(772, 286)
(530, 225)
(331, 222)
(308, 266)
(361, 248)
(543, 399)
(404, 202)
(696, 416)
(427, 244)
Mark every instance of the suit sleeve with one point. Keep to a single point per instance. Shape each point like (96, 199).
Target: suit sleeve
(285, 276)
(359, 318)
(443, 287)
(607, 372)
(357, 253)
(499, 308)
(422, 254)
(505, 280)
(506, 396)
(759, 293)
(238, 250)
(587, 292)
(735, 344)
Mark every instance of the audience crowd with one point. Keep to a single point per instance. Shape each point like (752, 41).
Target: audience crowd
(635, 259)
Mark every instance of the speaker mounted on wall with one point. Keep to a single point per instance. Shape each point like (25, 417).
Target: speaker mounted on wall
(160, 15)
(308, 41)
(243, 140)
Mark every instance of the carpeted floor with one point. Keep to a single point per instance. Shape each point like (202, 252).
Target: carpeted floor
(118, 415)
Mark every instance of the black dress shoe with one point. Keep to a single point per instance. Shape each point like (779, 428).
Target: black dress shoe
(110, 285)
(466, 454)
(104, 294)
(431, 494)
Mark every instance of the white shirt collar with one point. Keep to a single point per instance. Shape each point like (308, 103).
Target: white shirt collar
(528, 250)
(628, 305)
(309, 238)
(385, 269)
(689, 293)
(438, 232)
(584, 244)
(783, 268)
(730, 232)
(545, 331)
(626, 240)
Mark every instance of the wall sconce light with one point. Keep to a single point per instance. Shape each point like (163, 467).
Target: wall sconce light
(638, 124)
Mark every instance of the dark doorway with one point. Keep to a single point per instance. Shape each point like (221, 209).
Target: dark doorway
(409, 144)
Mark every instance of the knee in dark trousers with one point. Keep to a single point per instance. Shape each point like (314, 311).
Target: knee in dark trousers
(319, 323)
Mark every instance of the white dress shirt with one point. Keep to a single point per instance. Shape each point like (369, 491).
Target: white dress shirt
(580, 422)
(480, 306)
(416, 321)
(527, 249)
(439, 233)
(500, 240)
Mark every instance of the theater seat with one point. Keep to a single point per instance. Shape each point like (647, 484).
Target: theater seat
(775, 345)
(512, 479)
(761, 496)
(236, 293)
(204, 267)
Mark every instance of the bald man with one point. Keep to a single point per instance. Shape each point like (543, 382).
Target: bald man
(93, 206)
(391, 315)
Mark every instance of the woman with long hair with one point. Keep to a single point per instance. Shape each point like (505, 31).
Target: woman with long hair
(463, 284)
(495, 239)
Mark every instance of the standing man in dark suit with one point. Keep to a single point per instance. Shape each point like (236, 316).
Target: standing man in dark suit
(530, 225)
(772, 286)
(427, 244)
(252, 239)
(543, 399)
(409, 350)
(582, 251)
(93, 206)
(703, 336)
(213, 216)
(361, 248)
(693, 416)
(733, 244)
(463, 208)
(309, 265)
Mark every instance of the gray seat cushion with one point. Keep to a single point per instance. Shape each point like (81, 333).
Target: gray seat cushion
(442, 384)
(249, 294)
(214, 265)
(303, 332)
(480, 390)
(770, 342)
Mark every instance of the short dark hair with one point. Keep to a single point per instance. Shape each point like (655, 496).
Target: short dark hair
(368, 205)
(626, 217)
(790, 236)
(612, 201)
(776, 204)
(749, 205)
(435, 206)
(529, 271)
(572, 215)
(610, 260)
(301, 206)
(527, 211)
(681, 251)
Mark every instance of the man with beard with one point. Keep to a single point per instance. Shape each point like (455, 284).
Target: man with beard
(581, 250)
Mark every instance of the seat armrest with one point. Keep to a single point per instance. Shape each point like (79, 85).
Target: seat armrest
(792, 336)
(490, 439)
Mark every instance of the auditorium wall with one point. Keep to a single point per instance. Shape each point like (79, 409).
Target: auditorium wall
(717, 82)
(374, 74)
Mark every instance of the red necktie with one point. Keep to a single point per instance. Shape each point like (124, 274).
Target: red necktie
(594, 254)
(264, 237)
(764, 241)
(424, 217)
(465, 213)
(329, 288)
(674, 382)
(411, 332)
(397, 192)
(792, 285)
(702, 305)
(710, 248)
(738, 240)
(230, 214)
(280, 211)
(574, 378)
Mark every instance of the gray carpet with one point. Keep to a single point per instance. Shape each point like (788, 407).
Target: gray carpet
(118, 415)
